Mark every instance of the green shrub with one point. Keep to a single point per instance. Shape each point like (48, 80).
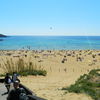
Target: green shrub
(85, 85)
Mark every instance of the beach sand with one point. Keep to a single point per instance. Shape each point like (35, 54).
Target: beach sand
(63, 69)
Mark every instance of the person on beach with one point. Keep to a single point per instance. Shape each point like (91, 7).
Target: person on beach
(15, 77)
(17, 93)
(7, 82)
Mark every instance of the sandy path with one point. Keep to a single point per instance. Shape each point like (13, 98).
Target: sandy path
(2, 90)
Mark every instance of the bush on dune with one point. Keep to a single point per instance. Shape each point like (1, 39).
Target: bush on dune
(88, 84)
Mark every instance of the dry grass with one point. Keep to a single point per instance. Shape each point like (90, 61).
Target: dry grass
(22, 67)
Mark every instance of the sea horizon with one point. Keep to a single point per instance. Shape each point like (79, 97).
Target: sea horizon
(45, 42)
(56, 35)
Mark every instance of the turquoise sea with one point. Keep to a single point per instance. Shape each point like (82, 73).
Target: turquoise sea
(50, 42)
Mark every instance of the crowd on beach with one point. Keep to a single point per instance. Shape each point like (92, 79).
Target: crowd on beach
(58, 64)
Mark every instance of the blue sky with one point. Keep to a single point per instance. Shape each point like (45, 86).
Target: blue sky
(50, 17)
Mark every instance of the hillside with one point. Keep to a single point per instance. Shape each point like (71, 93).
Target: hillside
(1, 35)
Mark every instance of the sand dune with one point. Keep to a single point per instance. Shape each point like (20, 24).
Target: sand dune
(63, 68)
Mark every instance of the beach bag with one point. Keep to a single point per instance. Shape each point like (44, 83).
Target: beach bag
(22, 95)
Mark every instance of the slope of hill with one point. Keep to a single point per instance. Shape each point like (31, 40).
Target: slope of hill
(1, 35)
